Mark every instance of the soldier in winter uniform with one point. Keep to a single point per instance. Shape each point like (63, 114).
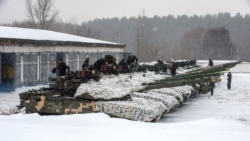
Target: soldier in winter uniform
(123, 66)
(210, 62)
(132, 63)
(132, 59)
(229, 79)
(122, 62)
(173, 68)
(85, 65)
(212, 85)
(61, 67)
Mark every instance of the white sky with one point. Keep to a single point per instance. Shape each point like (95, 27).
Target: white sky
(83, 10)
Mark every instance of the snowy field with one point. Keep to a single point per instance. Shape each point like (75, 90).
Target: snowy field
(223, 116)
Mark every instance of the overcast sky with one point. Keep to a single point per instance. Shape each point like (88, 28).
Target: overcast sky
(84, 10)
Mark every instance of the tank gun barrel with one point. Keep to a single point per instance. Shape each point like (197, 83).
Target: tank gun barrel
(201, 76)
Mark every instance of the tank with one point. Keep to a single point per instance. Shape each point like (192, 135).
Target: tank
(59, 97)
(146, 102)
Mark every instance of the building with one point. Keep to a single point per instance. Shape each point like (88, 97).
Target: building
(27, 56)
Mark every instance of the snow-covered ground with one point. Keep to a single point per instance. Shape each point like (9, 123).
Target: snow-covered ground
(225, 104)
(9, 101)
(223, 116)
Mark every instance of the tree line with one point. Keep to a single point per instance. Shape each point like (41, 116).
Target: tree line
(220, 36)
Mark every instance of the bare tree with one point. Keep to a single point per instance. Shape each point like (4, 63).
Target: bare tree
(42, 14)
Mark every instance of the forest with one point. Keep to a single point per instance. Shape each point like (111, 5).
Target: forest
(220, 36)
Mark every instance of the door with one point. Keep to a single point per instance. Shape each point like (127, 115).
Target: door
(7, 63)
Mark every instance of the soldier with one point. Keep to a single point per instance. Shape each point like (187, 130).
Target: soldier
(110, 59)
(113, 66)
(212, 88)
(229, 79)
(132, 59)
(85, 65)
(159, 61)
(61, 67)
(132, 63)
(123, 66)
(173, 68)
(122, 62)
(99, 63)
(210, 62)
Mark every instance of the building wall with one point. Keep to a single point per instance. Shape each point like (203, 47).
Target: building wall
(33, 65)
(35, 68)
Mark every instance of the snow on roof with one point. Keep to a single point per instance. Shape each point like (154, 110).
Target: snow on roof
(45, 35)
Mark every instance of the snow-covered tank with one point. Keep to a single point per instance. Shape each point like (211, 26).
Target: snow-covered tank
(139, 96)
(60, 94)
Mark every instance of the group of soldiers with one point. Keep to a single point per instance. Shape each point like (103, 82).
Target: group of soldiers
(130, 65)
(108, 65)
(172, 66)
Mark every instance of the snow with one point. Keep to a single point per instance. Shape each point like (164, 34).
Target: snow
(9, 101)
(101, 127)
(226, 104)
(223, 116)
(45, 35)
(116, 87)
